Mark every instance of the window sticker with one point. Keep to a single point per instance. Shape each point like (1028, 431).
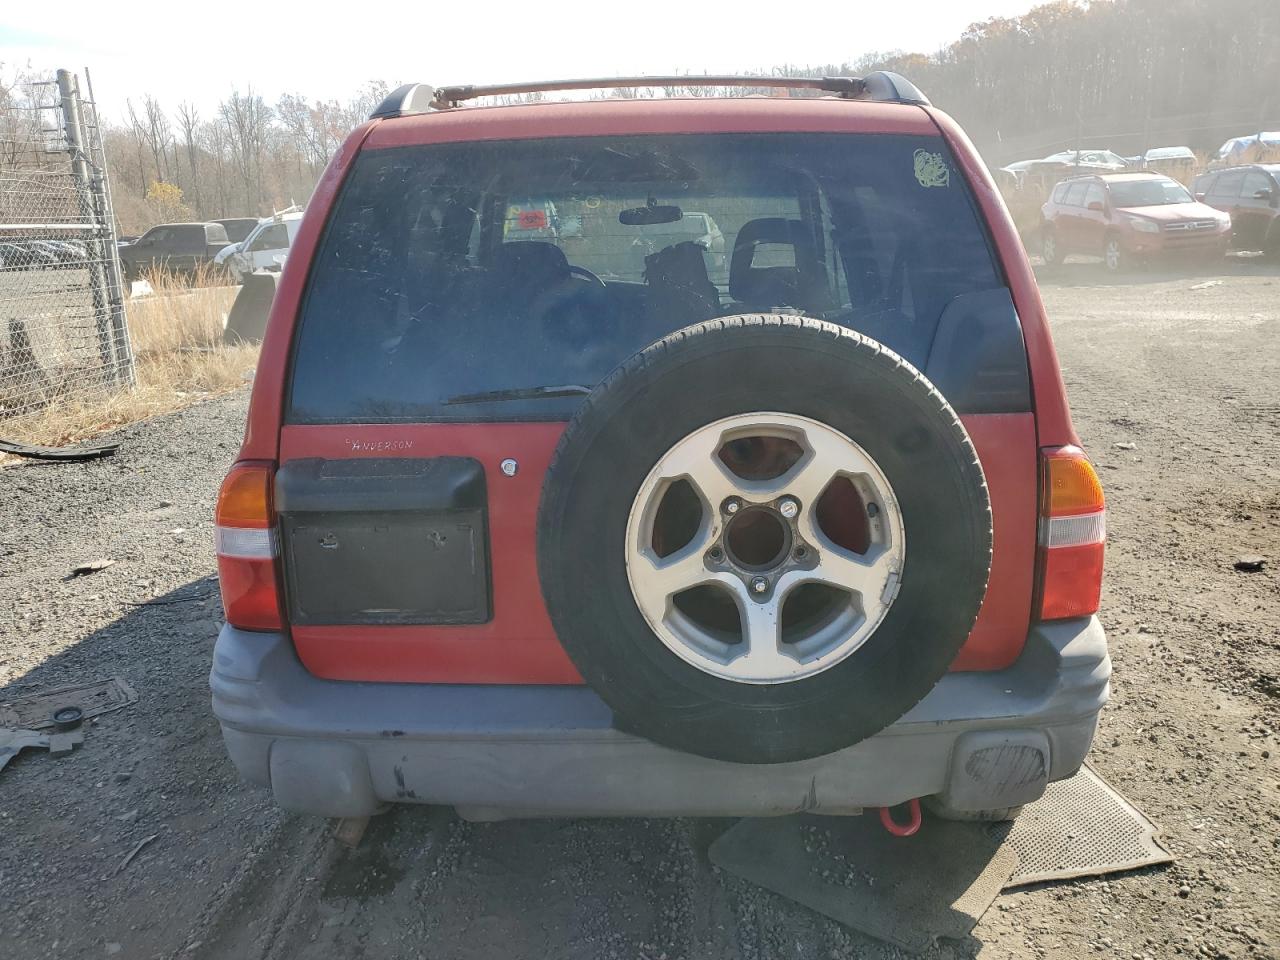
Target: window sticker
(931, 169)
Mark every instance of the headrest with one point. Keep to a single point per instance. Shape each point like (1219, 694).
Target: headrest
(803, 285)
(531, 261)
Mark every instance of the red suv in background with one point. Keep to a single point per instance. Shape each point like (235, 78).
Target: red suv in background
(1126, 217)
(1251, 195)
(578, 525)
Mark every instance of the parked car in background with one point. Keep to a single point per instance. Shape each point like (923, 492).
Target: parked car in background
(1251, 196)
(1176, 162)
(178, 247)
(239, 227)
(695, 227)
(1123, 217)
(264, 248)
(1089, 158)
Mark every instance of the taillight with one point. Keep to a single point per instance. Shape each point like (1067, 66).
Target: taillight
(247, 548)
(1072, 536)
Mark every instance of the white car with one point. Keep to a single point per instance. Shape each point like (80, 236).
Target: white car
(265, 247)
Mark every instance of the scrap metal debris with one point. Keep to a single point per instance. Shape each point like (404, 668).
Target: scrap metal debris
(1206, 285)
(13, 742)
(65, 454)
(92, 566)
(137, 849)
(1250, 564)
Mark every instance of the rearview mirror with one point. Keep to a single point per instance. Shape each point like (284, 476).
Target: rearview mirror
(650, 215)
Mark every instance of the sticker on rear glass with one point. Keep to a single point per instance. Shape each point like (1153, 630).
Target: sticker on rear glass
(932, 169)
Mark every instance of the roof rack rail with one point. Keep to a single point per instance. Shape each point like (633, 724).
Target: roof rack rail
(881, 86)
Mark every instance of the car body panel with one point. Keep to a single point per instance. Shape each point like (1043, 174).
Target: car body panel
(518, 645)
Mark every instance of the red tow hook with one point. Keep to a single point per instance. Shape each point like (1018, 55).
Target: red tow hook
(902, 829)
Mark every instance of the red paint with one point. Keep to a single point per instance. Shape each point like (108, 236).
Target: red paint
(602, 118)
(519, 645)
(1006, 445)
(903, 829)
(1049, 393)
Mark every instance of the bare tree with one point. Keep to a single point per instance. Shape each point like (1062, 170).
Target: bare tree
(189, 124)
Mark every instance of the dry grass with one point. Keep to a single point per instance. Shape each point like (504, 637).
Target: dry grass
(176, 333)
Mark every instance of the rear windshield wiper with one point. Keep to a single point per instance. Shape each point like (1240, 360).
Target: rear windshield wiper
(523, 393)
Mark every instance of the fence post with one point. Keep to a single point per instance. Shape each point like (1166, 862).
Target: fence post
(103, 267)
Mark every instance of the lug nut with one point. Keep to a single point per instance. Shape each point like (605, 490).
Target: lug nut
(759, 585)
(732, 505)
(789, 508)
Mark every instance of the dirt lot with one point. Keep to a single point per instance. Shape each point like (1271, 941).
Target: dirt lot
(1190, 377)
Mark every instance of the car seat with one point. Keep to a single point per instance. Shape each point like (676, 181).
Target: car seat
(679, 291)
(803, 286)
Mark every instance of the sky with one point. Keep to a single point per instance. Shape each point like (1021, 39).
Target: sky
(326, 50)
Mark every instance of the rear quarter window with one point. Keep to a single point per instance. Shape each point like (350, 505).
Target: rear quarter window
(447, 272)
(215, 233)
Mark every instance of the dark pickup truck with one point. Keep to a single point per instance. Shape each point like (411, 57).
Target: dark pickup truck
(178, 247)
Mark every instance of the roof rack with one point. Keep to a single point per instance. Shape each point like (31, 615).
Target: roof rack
(881, 86)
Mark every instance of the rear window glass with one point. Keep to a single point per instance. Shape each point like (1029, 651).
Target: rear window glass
(454, 271)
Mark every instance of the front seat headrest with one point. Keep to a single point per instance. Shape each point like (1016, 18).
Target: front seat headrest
(802, 285)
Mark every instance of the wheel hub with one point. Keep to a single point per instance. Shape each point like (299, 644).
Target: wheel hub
(757, 539)
(803, 601)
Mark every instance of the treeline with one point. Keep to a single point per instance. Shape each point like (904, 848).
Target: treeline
(1122, 74)
(247, 157)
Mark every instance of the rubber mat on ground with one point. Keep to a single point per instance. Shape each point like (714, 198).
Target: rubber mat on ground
(908, 891)
(1081, 827)
(34, 711)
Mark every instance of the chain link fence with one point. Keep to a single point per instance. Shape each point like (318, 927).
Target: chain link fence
(62, 323)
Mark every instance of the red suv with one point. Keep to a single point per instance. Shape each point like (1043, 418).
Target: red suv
(1126, 217)
(568, 526)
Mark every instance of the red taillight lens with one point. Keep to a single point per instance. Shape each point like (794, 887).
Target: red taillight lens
(247, 548)
(1073, 535)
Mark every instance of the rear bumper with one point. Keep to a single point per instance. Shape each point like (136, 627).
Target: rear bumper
(335, 748)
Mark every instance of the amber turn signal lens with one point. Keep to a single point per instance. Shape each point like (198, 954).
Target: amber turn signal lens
(245, 497)
(1071, 485)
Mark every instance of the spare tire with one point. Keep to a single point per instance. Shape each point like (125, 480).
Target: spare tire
(763, 539)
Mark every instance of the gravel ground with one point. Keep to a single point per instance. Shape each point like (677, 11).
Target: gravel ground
(1188, 376)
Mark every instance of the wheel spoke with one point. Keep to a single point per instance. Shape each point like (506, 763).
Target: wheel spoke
(761, 636)
(828, 456)
(699, 464)
(662, 578)
(848, 571)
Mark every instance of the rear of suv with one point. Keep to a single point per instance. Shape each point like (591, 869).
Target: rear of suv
(575, 526)
(1128, 218)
